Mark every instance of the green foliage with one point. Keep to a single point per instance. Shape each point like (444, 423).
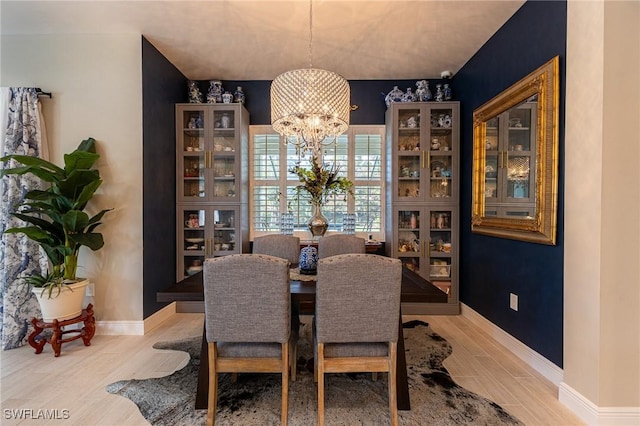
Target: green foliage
(56, 216)
(321, 181)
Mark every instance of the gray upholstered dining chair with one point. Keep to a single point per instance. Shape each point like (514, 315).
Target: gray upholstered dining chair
(247, 320)
(357, 319)
(332, 245)
(284, 246)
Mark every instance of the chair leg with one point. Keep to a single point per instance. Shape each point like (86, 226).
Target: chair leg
(320, 376)
(393, 402)
(285, 384)
(213, 385)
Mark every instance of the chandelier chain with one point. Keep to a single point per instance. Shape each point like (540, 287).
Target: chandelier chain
(310, 33)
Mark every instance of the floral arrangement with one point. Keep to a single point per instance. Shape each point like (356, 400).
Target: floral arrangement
(321, 181)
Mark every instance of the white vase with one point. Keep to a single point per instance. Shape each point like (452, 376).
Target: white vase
(66, 305)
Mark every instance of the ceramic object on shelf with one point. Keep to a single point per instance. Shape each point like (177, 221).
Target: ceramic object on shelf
(439, 93)
(446, 91)
(409, 96)
(394, 95)
(214, 95)
(227, 98)
(423, 94)
(195, 95)
(239, 96)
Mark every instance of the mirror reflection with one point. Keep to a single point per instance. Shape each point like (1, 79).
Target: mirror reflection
(516, 159)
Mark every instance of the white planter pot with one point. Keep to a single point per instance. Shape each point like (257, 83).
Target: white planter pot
(66, 305)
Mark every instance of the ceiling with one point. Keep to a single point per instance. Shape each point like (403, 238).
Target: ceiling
(257, 40)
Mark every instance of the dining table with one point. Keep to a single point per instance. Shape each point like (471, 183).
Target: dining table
(414, 289)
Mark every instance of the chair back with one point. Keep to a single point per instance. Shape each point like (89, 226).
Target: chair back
(358, 298)
(332, 245)
(247, 298)
(283, 246)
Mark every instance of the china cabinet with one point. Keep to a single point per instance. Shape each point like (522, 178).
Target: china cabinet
(510, 163)
(211, 183)
(423, 195)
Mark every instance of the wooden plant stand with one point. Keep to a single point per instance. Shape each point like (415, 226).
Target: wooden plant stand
(56, 340)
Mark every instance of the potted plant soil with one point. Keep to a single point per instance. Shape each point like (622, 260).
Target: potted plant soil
(57, 221)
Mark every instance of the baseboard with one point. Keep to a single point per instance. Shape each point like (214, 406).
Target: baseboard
(159, 317)
(591, 414)
(549, 370)
(135, 328)
(120, 328)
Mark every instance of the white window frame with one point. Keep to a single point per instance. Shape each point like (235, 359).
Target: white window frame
(377, 130)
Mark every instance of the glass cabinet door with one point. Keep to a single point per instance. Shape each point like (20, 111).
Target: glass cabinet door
(225, 152)
(192, 241)
(192, 153)
(410, 157)
(441, 154)
(226, 227)
(408, 246)
(442, 247)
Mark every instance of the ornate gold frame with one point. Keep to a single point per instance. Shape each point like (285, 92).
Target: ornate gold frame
(542, 227)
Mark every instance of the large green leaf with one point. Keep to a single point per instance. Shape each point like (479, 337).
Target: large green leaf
(76, 181)
(92, 240)
(75, 221)
(79, 160)
(34, 163)
(87, 145)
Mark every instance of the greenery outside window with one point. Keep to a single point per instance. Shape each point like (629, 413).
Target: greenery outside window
(359, 153)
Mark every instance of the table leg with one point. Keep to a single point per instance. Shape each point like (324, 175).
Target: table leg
(402, 383)
(202, 393)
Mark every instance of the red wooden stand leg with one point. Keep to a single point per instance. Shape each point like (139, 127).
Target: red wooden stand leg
(38, 345)
(89, 328)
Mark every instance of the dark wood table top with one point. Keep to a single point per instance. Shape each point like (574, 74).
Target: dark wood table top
(414, 289)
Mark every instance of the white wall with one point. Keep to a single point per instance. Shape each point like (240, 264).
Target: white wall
(97, 92)
(602, 212)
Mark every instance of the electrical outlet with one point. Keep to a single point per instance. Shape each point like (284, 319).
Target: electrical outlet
(513, 301)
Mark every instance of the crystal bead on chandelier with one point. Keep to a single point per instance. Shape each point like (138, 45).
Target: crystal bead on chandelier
(310, 107)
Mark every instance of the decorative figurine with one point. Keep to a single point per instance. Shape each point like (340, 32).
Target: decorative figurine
(195, 95)
(423, 93)
(214, 95)
(238, 95)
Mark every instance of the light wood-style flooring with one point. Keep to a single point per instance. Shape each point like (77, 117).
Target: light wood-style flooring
(74, 383)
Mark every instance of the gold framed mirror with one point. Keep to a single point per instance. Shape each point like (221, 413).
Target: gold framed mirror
(515, 160)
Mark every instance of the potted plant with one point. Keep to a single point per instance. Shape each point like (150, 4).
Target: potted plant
(320, 182)
(57, 221)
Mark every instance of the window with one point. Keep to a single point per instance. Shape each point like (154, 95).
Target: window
(359, 153)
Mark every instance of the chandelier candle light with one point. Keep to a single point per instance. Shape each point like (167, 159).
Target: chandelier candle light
(310, 107)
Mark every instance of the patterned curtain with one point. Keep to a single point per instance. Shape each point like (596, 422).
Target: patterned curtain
(23, 133)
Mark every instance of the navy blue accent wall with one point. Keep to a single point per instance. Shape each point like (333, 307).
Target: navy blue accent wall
(162, 87)
(491, 267)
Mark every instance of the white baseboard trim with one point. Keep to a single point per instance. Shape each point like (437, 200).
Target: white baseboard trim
(591, 414)
(549, 370)
(120, 328)
(135, 328)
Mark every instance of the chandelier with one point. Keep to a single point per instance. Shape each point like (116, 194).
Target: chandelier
(310, 107)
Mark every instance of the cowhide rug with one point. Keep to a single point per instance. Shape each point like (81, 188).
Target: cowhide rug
(350, 399)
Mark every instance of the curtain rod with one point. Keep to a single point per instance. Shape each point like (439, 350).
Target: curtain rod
(40, 92)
